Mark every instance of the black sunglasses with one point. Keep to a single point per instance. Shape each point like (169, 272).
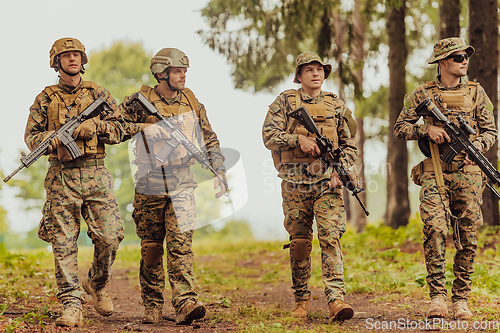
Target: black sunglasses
(458, 58)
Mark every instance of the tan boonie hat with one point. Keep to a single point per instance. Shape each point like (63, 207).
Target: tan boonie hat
(168, 57)
(64, 45)
(447, 46)
(307, 58)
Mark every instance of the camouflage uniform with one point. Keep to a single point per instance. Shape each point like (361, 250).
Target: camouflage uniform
(80, 188)
(169, 214)
(463, 187)
(306, 196)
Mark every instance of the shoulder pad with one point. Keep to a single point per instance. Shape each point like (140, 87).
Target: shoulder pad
(145, 89)
(51, 90)
(90, 85)
(472, 83)
(430, 84)
(193, 101)
(289, 92)
(351, 122)
(330, 94)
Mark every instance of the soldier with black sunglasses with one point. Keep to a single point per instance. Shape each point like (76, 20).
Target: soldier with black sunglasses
(450, 194)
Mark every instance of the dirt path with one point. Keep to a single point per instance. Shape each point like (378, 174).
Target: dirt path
(370, 316)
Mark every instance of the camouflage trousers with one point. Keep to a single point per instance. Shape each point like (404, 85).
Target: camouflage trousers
(463, 195)
(301, 205)
(73, 193)
(162, 217)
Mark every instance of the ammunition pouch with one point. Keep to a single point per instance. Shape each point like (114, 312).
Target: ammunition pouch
(426, 166)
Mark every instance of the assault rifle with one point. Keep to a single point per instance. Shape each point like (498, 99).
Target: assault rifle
(459, 135)
(176, 136)
(329, 156)
(65, 133)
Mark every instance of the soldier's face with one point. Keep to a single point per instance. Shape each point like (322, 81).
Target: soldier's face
(71, 61)
(451, 67)
(178, 77)
(311, 76)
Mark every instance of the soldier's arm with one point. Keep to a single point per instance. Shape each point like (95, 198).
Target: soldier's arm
(37, 124)
(485, 121)
(346, 140)
(274, 132)
(132, 119)
(210, 140)
(109, 129)
(406, 127)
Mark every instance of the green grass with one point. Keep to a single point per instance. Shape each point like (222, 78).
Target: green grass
(382, 261)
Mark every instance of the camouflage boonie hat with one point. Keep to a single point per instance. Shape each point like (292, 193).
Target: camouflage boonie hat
(306, 58)
(447, 46)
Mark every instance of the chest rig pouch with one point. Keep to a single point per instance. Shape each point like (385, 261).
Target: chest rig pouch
(63, 106)
(325, 118)
(453, 104)
(185, 117)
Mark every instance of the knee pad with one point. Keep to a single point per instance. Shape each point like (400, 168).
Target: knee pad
(151, 251)
(300, 247)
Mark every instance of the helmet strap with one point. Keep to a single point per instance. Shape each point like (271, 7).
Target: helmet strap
(166, 78)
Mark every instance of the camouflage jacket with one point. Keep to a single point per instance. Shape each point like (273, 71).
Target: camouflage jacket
(109, 132)
(134, 121)
(276, 137)
(407, 128)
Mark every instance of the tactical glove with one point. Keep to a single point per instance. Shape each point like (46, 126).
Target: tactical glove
(54, 143)
(154, 132)
(86, 130)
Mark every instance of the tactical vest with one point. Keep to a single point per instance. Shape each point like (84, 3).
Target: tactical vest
(63, 105)
(454, 104)
(186, 115)
(324, 117)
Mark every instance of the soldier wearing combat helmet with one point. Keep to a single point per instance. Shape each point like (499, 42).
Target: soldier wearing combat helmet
(80, 187)
(310, 192)
(164, 205)
(449, 194)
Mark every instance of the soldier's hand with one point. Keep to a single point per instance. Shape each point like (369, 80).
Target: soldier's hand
(438, 134)
(54, 143)
(154, 132)
(479, 147)
(86, 130)
(219, 183)
(308, 145)
(335, 180)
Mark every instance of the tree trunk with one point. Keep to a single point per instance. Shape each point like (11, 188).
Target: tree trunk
(483, 67)
(449, 18)
(398, 203)
(357, 49)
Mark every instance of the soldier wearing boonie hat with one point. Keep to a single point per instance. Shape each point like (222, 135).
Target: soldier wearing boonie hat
(312, 193)
(449, 195)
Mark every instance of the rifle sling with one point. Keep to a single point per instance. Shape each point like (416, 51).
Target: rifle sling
(438, 176)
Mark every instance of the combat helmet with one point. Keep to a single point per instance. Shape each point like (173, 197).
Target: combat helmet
(63, 45)
(168, 57)
(306, 58)
(447, 46)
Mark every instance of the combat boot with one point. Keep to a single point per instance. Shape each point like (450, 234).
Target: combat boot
(151, 315)
(102, 302)
(438, 309)
(340, 311)
(190, 311)
(301, 309)
(461, 310)
(70, 317)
